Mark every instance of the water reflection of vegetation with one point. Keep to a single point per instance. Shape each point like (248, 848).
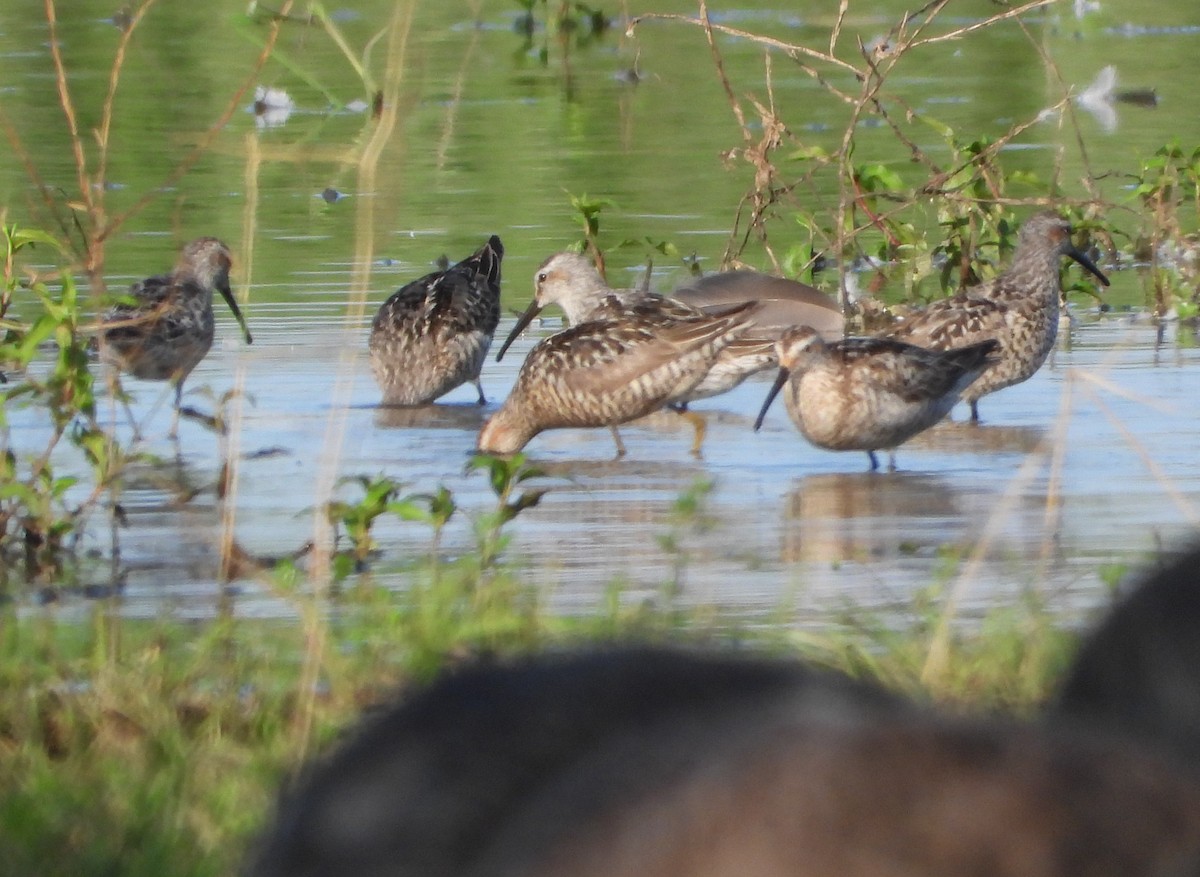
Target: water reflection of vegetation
(949, 217)
(39, 522)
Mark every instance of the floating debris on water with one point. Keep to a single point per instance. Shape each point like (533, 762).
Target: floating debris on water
(271, 107)
(1098, 98)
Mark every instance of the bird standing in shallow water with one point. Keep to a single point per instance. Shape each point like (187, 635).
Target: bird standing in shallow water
(433, 334)
(169, 328)
(571, 281)
(607, 372)
(867, 394)
(1019, 308)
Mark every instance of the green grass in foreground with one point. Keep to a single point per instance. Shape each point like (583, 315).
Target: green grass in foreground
(140, 748)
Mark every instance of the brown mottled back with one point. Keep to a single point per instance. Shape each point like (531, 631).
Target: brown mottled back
(608, 372)
(1019, 308)
(868, 394)
(432, 335)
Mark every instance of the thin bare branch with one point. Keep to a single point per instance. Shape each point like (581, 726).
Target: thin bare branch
(110, 99)
(771, 42)
(961, 32)
(68, 108)
(706, 23)
(111, 226)
(927, 15)
(843, 8)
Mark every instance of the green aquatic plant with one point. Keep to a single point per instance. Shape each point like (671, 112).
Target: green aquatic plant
(357, 518)
(1167, 189)
(691, 517)
(505, 475)
(589, 210)
(435, 509)
(41, 512)
(380, 496)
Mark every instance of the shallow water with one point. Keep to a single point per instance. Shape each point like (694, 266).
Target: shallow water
(786, 524)
(1093, 462)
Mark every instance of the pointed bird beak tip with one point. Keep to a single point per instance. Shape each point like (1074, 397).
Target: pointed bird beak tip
(522, 321)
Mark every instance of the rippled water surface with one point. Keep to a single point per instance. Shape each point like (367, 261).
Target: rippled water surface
(1093, 462)
(1090, 463)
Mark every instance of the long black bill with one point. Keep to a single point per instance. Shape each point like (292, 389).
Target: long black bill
(1087, 263)
(227, 294)
(780, 380)
(524, 320)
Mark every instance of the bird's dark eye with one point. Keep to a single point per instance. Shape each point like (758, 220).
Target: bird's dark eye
(541, 278)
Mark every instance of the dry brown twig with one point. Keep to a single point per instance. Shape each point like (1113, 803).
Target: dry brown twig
(790, 49)
(102, 135)
(100, 226)
(959, 33)
(912, 32)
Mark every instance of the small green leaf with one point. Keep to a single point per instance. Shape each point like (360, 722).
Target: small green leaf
(25, 236)
(809, 153)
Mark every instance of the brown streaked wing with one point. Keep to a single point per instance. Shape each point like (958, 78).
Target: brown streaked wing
(912, 373)
(644, 307)
(954, 322)
(591, 346)
(746, 347)
(635, 362)
(597, 356)
(631, 351)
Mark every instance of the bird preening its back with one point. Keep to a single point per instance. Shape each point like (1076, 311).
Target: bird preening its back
(433, 334)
